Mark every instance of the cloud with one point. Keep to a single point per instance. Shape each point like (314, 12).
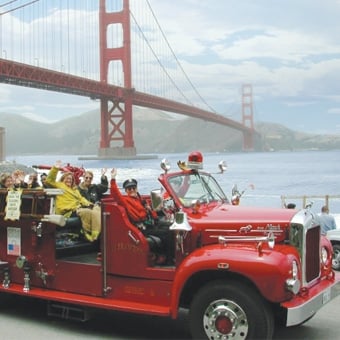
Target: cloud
(38, 118)
(18, 108)
(335, 111)
(4, 94)
(270, 43)
(290, 53)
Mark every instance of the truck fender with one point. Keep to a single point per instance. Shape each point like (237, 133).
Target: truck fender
(267, 269)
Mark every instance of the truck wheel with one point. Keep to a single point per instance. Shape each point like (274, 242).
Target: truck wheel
(230, 310)
(336, 257)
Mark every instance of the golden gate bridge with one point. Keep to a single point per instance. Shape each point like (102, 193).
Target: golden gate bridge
(120, 74)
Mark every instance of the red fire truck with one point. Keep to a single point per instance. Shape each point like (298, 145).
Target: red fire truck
(237, 270)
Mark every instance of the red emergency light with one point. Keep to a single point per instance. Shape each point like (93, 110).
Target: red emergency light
(195, 160)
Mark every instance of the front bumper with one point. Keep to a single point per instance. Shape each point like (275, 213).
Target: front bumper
(302, 307)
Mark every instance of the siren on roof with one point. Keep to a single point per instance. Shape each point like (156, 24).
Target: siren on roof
(195, 160)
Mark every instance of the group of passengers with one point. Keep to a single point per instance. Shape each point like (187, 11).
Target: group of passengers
(76, 201)
(83, 200)
(16, 179)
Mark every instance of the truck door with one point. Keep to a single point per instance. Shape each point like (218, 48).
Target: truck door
(127, 251)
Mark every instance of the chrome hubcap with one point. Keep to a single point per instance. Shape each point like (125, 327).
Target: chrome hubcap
(224, 319)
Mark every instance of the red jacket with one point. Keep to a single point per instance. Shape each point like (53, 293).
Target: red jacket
(134, 205)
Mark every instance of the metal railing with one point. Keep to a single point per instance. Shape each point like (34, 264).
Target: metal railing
(307, 199)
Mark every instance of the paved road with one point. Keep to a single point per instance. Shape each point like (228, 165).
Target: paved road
(22, 318)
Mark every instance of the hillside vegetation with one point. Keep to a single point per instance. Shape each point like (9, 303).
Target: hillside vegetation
(154, 132)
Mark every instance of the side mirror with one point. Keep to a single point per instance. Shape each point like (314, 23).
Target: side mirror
(156, 200)
(165, 165)
(234, 190)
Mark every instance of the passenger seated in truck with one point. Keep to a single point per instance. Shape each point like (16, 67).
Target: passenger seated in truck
(19, 179)
(141, 214)
(72, 204)
(43, 177)
(6, 181)
(32, 182)
(93, 192)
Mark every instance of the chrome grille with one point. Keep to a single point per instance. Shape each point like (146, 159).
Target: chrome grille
(305, 236)
(312, 267)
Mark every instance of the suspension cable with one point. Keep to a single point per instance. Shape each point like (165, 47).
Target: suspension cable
(18, 7)
(177, 61)
(8, 3)
(160, 63)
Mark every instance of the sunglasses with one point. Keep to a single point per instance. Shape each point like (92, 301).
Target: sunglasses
(88, 177)
(131, 188)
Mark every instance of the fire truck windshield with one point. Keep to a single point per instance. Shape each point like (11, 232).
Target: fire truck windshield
(196, 186)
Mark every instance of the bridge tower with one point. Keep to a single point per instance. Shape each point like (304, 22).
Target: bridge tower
(116, 113)
(248, 117)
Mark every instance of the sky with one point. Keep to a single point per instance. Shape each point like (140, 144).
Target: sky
(288, 50)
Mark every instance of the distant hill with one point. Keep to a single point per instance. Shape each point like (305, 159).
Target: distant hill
(154, 132)
(277, 137)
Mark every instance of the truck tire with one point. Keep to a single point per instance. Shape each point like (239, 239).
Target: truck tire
(336, 257)
(230, 310)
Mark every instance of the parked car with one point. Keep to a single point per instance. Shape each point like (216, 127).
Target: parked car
(334, 237)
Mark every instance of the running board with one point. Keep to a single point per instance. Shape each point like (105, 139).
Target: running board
(68, 312)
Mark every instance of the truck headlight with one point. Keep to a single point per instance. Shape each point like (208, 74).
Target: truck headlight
(293, 284)
(294, 269)
(324, 256)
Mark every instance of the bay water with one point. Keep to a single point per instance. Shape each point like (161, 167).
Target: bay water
(264, 177)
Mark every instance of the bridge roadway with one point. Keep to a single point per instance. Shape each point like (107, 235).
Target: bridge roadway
(24, 318)
(31, 76)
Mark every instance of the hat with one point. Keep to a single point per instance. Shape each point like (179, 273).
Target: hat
(129, 183)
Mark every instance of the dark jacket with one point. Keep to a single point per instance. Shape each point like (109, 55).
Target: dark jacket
(94, 192)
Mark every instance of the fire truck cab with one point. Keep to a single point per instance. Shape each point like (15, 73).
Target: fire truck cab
(236, 269)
